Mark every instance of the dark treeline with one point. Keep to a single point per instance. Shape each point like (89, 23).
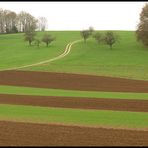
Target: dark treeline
(10, 22)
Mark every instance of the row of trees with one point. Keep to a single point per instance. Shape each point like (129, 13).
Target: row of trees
(108, 37)
(10, 22)
(30, 36)
(111, 38)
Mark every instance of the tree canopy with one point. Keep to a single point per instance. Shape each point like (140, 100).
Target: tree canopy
(47, 38)
(142, 30)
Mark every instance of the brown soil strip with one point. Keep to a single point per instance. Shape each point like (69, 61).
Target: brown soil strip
(30, 134)
(77, 102)
(71, 81)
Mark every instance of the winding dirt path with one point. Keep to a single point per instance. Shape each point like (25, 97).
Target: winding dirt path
(66, 52)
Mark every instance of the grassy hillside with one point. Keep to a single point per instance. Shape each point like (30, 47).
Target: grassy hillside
(14, 51)
(128, 58)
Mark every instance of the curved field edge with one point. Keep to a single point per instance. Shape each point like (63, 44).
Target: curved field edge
(74, 116)
(4, 89)
(76, 102)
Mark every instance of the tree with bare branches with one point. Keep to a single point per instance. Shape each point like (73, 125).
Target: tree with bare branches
(85, 34)
(110, 38)
(142, 30)
(42, 23)
(47, 38)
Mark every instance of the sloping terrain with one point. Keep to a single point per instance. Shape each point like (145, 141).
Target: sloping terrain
(71, 81)
(76, 102)
(18, 133)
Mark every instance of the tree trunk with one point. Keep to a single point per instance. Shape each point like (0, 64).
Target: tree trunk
(30, 43)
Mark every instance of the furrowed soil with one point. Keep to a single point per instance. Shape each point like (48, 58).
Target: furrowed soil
(71, 81)
(31, 134)
(76, 102)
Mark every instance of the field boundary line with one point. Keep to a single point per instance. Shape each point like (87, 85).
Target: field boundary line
(66, 52)
(77, 125)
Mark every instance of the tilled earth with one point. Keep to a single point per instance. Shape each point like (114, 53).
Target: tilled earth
(34, 134)
(76, 102)
(71, 81)
(29, 134)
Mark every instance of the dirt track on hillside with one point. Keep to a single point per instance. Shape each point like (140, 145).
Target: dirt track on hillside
(76, 102)
(66, 52)
(29, 134)
(71, 81)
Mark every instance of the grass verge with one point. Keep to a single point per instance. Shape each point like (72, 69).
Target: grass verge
(70, 93)
(74, 116)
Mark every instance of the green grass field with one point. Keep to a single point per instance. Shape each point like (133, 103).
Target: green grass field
(14, 51)
(70, 93)
(74, 116)
(128, 58)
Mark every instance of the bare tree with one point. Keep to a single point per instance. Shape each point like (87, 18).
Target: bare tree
(30, 36)
(21, 19)
(110, 38)
(10, 21)
(42, 23)
(2, 23)
(26, 21)
(7, 21)
(142, 30)
(47, 38)
(4, 20)
(13, 16)
(37, 42)
(85, 34)
(91, 29)
(98, 37)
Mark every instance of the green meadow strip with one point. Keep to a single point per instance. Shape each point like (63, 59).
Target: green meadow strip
(22, 54)
(74, 116)
(70, 93)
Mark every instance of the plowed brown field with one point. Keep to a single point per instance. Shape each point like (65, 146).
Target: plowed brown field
(76, 102)
(30, 134)
(71, 81)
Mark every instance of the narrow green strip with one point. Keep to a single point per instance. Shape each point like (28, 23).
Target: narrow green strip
(70, 93)
(74, 116)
